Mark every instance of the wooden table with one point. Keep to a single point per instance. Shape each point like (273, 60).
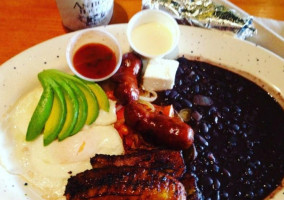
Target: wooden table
(26, 23)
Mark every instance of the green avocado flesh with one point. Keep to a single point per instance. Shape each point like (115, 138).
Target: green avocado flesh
(101, 96)
(66, 105)
(41, 113)
(57, 116)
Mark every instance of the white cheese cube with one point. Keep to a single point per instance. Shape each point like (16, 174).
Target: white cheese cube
(160, 74)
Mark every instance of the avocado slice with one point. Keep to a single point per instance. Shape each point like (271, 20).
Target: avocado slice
(66, 105)
(72, 110)
(83, 107)
(57, 117)
(72, 105)
(42, 111)
(93, 106)
(100, 94)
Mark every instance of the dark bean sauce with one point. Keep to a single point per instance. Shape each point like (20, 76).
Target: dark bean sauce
(239, 131)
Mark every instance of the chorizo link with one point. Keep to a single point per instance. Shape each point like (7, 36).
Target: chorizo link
(158, 128)
(126, 89)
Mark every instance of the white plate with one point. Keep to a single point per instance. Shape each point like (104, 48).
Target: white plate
(19, 74)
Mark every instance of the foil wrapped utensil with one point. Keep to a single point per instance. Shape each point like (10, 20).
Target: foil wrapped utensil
(206, 14)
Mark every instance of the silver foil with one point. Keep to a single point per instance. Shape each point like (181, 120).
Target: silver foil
(206, 14)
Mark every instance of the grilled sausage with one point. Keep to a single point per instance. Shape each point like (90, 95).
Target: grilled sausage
(124, 183)
(158, 128)
(126, 89)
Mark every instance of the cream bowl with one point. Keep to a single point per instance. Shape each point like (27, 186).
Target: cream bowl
(153, 33)
(93, 36)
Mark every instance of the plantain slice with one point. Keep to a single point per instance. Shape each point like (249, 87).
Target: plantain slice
(41, 113)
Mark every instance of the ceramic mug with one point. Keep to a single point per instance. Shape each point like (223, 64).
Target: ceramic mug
(79, 14)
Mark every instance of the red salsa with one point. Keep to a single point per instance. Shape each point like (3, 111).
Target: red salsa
(94, 60)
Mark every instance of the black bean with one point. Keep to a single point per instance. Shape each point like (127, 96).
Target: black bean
(208, 181)
(236, 127)
(167, 92)
(180, 71)
(226, 173)
(204, 127)
(216, 184)
(212, 110)
(250, 144)
(204, 171)
(185, 91)
(207, 136)
(196, 78)
(216, 168)
(238, 194)
(258, 162)
(196, 88)
(220, 126)
(260, 191)
(211, 157)
(218, 195)
(193, 168)
(196, 115)
(248, 172)
(237, 109)
(174, 94)
(216, 119)
(191, 74)
(202, 100)
(225, 194)
(250, 195)
(226, 109)
(201, 147)
(233, 141)
(228, 122)
(187, 103)
(244, 135)
(177, 105)
(252, 165)
(202, 140)
(239, 89)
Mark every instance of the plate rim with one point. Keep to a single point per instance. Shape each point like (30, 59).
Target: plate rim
(9, 64)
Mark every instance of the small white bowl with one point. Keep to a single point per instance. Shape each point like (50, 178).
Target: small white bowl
(153, 16)
(89, 36)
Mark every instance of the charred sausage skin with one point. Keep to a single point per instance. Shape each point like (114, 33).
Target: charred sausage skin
(158, 128)
(126, 89)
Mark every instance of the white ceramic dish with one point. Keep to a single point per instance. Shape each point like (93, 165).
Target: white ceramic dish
(88, 36)
(154, 16)
(19, 75)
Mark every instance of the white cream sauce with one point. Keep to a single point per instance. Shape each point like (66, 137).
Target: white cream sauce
(152, 38)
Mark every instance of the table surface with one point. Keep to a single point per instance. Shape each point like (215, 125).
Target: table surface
(24, 24)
